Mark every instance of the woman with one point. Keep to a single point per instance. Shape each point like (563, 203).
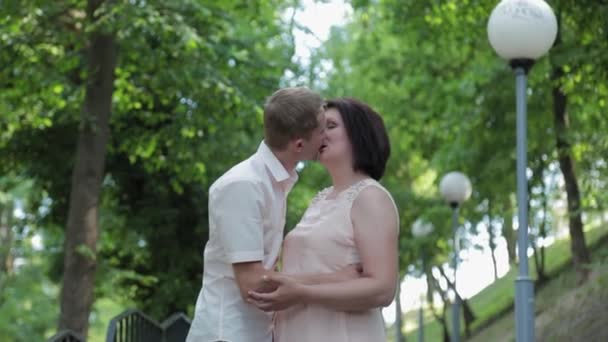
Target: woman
(353, 221)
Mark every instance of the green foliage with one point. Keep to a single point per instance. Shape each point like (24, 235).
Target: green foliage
(190, 81)
(449, 104)
(27, 295)
(28, 305)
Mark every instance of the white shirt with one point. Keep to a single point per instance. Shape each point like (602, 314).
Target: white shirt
(247, 207)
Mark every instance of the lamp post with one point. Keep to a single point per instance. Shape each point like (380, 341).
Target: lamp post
(521, 31)
(455, 188)
(421, 229)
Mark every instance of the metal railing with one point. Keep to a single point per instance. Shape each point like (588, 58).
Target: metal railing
(66, 336)
(176, 327)
(135, 326)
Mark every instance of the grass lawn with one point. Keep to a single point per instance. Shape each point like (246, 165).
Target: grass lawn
(564, 311)
(105, 309)
(495, 302)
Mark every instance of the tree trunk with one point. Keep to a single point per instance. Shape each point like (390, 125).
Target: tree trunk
(578, 246)
(82, 225)
(601, 210)
(508, 233)
(6, 239)
(491, 241)
(433, 285)
(493, 248)
(469, 315)
(542, 228)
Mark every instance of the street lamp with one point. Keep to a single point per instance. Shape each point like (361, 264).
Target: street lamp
(455, 188)
(421, 229)
(522, 31)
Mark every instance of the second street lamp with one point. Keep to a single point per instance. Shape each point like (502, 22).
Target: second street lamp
(455, 188)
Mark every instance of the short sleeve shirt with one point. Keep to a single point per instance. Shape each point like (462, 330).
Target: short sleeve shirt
(247, 207)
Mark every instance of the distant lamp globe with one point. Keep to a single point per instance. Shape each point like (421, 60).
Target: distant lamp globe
(455, 188)
(422, 228)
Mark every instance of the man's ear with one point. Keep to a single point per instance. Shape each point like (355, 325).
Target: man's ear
(298, 145)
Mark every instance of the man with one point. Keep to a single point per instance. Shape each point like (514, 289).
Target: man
(247, 207)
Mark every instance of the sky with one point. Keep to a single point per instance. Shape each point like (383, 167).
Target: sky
(319, 18)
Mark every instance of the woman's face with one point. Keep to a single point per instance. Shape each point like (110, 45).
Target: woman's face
(336, 146)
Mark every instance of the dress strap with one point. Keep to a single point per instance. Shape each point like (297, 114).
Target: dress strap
(356, 188)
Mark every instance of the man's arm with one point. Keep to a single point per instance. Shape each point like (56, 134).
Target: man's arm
(237, 211)
(250, 276)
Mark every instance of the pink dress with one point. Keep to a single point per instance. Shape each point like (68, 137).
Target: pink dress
(324, 242)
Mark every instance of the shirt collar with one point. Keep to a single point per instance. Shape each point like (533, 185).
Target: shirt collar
(277, 170)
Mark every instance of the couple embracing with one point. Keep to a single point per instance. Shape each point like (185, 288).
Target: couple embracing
(338, 266)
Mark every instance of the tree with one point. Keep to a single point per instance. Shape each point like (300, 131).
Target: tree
(189, 82)
(82, 228)
(448, 98)
(580, 252)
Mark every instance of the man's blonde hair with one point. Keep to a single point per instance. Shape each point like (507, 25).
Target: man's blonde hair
(291, 113)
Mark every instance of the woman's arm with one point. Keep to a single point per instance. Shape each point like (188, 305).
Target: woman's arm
(349, 272)
(376, 232)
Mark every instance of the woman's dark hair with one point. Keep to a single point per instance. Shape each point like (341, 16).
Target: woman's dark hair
(367, 134)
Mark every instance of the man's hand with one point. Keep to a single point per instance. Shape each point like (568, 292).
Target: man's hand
(287, 293)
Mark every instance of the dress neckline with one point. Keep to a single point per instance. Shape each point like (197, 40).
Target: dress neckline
(344, 191)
